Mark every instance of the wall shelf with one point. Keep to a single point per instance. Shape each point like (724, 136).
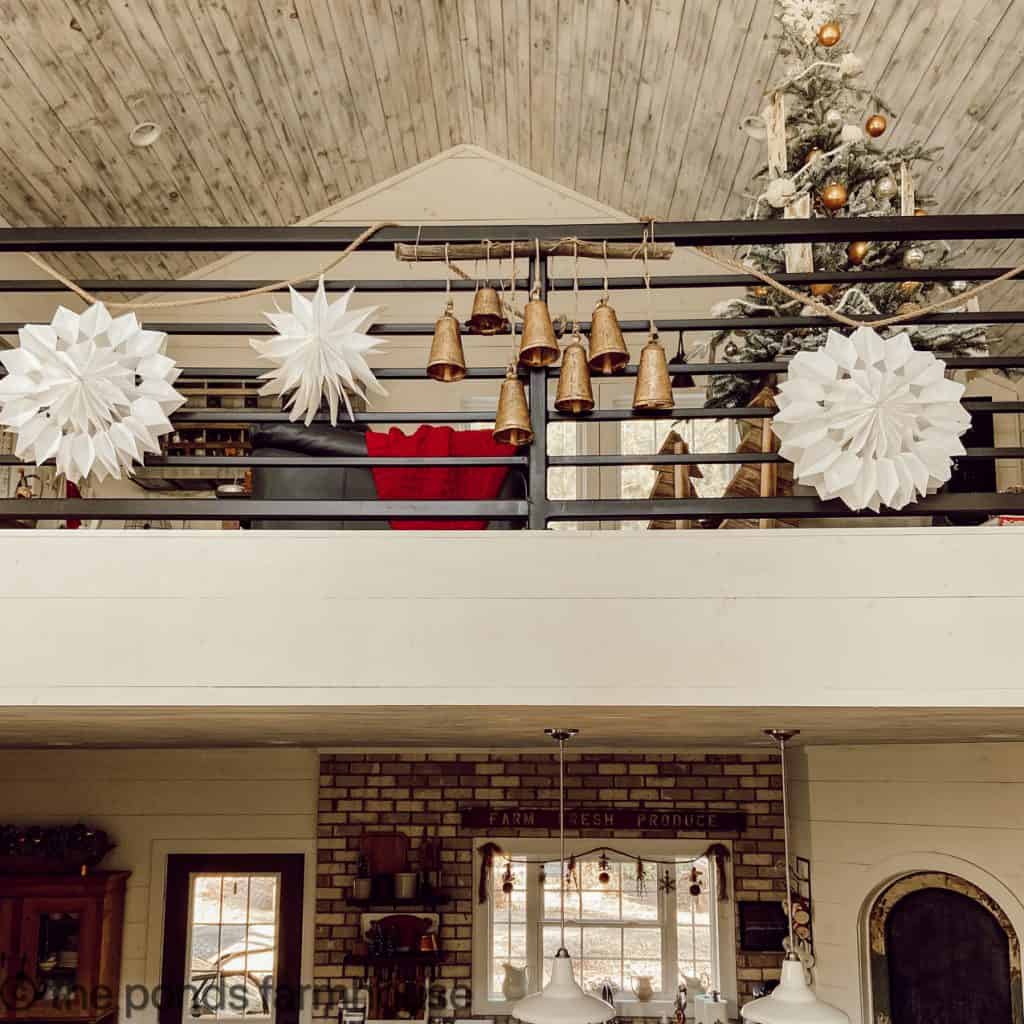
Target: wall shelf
(395, 959)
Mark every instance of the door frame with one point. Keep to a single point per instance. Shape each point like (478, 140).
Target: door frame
(885, 899)
(164, 848)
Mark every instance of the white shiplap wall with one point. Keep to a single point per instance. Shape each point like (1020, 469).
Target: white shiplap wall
(867, 815)
(156, 802)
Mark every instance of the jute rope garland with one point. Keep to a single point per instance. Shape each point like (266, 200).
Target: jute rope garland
(822, 310)
(223, 296)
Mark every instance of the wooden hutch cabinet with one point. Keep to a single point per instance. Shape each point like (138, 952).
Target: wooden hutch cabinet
(60, 946)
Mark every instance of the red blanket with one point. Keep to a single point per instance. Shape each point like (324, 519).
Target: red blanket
(468, 483)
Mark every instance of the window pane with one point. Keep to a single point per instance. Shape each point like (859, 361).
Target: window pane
(594, 973)
(602, 942)
(551, 941)
(235, 899)
(206, 899)
(517, 939)
(601, 905)
(232, 944)
(262, 899)
(644, 943)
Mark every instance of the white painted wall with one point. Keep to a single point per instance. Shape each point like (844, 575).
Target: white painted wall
(157, 802)
(867, 815)
(766, 618)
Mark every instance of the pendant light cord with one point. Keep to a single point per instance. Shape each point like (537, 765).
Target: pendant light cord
(561, 835)
(781, 737)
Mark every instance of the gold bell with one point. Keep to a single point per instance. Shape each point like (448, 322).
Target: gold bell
(653, 386)
(447, 361)
(608, 352)
(538, 347)
(487, 316)
(512, 422)
(574, 395)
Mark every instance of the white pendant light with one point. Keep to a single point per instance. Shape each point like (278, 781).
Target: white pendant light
(793, 1001)
(562, 1001)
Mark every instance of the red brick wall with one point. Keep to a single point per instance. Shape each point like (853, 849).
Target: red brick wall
(423, 793)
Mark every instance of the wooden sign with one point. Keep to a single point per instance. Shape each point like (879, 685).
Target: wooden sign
(584, 819)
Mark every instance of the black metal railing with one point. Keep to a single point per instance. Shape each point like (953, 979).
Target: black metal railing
(537, 510)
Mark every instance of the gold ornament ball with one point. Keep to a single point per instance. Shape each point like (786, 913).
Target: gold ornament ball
(760, 291)
(813, 154)
(856, 252)
(821, 290)
(875, 125)
(919, 212)
(909, 287)
(834, 196)
(830, 33)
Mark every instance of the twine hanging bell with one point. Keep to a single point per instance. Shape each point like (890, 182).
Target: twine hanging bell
(487, 316)
(574, 395)
(653, 387)
(608, 352)
(512, 422)
(447, 361)
(538, 347)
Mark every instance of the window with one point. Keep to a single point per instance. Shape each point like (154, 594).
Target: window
(232, 954)
(232, 938)
(617, 931)
(646, 436)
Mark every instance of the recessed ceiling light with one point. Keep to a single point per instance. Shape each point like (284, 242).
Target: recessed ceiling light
(144, 134)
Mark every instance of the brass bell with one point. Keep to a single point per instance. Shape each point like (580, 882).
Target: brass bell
(538, 347)
(574, 395)
(487, 316)
(653, 388)
(608, 352)
(512, 422)
(682, 379)
(447, 361)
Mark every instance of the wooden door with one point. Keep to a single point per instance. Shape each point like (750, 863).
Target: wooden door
(59, 951)
(948, 959)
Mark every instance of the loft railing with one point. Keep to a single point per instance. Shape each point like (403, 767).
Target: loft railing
(537, 510)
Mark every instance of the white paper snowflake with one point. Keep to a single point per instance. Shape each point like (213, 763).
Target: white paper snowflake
(319, 352)
(869, 420)
(804, 17)
(91, 391)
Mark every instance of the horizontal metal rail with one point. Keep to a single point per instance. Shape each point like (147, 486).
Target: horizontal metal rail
(774, 508)
(336, 237)
(246, 509)
(498, 372)
(199, 286)
(731, 458)
(317, 461)
(253, 508)
(456, 462)
(765, 323)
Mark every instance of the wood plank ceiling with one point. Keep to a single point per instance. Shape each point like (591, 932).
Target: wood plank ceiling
(274, 109)
(515, 728)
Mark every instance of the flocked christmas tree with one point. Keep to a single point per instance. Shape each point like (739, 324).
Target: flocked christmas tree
(825, 136)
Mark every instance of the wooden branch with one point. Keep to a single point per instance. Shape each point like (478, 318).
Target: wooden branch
(412, 253)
